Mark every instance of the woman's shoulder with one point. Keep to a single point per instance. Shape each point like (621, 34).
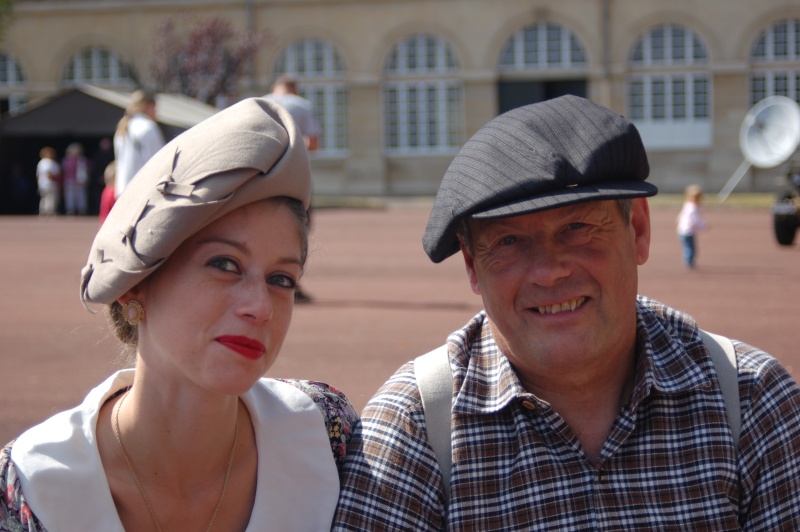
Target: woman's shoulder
(338, 412)
(15, 514)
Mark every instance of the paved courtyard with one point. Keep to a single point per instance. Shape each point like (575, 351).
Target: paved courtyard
(378, 300)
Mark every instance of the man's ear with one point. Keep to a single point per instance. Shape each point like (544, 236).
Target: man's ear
(640, 222)
(469, 262)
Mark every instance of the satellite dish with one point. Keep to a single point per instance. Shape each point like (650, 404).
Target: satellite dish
(769, 135)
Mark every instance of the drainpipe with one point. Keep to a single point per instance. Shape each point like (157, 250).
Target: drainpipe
(251, 27)
(606, 39)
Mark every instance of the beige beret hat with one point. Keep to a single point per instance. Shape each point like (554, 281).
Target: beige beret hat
(245, 153)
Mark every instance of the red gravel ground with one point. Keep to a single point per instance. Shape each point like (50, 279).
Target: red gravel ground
(378, 301)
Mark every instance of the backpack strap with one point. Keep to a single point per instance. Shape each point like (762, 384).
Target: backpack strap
(435, 382)
(724, 357)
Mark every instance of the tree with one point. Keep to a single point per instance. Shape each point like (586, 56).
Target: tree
(205, 60)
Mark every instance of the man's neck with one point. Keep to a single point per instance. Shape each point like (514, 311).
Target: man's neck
(589, 399)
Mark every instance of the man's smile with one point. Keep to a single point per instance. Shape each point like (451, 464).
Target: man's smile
(564, 306)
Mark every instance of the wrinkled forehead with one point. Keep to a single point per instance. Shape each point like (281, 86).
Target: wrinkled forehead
(577, 211)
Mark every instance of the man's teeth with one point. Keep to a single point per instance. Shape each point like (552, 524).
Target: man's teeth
(562, 307)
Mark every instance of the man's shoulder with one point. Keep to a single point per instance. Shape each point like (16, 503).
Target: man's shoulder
(292, 102)
(760, 371)
(400, 392)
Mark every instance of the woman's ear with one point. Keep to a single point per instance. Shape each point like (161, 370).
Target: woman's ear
(133, 293)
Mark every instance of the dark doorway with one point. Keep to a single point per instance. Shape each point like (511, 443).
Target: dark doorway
(513, 94)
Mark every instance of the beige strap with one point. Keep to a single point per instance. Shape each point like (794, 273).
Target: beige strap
(725, 364)
(435, 382)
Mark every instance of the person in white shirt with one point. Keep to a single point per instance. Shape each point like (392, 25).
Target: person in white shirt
(48, 175)
(690, 221)
(137, 138)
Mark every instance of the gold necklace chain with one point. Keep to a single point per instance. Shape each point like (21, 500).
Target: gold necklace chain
(139, 485)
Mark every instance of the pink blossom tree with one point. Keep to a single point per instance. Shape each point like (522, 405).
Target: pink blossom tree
(203, 59)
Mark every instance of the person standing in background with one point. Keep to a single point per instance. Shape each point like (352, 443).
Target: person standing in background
(48, 176)
(102, 156)
(284, 93)
(107, 198)
(75, 171)
(137, 138)
(690, 221)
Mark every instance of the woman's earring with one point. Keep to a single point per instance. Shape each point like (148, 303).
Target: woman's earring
(133, 312)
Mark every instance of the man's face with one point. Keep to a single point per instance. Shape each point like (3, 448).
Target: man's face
(559, 286)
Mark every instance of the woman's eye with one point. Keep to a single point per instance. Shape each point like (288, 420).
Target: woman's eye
(224, 264)
(282, 281)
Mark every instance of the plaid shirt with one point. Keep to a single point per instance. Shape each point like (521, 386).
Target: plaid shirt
(669, 462)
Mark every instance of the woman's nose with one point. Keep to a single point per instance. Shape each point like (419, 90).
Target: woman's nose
(255, 302)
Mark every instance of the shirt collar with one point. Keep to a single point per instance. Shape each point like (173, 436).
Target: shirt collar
(668, 350)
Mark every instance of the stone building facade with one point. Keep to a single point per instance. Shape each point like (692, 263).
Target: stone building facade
(400, 84)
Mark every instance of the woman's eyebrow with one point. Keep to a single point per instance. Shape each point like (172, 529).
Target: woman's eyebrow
(241, 246)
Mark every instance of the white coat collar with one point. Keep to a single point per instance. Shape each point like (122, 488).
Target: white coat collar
(62, 477)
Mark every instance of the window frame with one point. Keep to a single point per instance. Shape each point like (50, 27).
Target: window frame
(322, 79)
(97, 65)
(775, 70)
(422, 97)
(669, 88)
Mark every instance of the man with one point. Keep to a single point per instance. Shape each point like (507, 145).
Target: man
(284, 92)
(576, 404)
(136, 139)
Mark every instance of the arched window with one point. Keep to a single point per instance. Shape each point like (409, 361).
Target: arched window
(669, 88)
(540, 61)
(422, 98)
(320, 74)
(542, 46)
(97, 66)
(775, 60)
(12, 83)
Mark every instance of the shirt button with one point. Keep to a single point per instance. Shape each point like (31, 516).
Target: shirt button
(529, 405)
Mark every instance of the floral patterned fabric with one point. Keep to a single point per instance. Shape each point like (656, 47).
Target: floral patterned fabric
(336, 409)
(338, 412)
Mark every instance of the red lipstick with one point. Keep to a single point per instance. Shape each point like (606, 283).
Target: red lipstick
(247, 347)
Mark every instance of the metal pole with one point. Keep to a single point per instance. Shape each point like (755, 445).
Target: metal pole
(251, 27)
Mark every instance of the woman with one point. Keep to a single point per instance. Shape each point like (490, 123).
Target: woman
(198, 262)
(75, 176)
(137, 137)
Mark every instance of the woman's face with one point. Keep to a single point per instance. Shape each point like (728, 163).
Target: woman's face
(218, 310)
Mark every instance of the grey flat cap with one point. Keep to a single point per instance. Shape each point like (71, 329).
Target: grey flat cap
(542, 156)
(245, 153)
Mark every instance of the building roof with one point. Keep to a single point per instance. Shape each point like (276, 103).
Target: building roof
(88, 110)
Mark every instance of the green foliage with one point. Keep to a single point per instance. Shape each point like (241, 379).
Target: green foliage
(6, 12)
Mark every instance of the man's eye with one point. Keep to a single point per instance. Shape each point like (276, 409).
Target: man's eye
(224, 264)
(508, 240)
(282, 281)
(577, 234)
